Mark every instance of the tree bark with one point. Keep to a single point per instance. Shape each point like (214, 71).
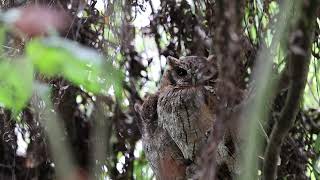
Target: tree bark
(227, 46)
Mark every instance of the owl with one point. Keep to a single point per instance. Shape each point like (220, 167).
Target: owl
(175, 121)
(186, 102)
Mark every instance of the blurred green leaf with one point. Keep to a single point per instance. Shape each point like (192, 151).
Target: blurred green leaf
(83, 66)
(311, 97)
(141, 169)
(253, 33)
(317, 144)
(16, 84)
(2, 38)
(273, 7)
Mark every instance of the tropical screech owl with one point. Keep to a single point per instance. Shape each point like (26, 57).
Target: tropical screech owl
(176, 120)
(186, 102)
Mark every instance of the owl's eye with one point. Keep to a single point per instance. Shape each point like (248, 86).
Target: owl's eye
(181, 72)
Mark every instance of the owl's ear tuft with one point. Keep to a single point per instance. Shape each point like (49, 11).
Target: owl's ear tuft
(172, 61)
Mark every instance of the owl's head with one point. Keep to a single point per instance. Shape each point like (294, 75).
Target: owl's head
(191, 71)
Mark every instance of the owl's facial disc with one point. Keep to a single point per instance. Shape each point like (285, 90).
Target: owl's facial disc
(191, 71)
(179, 74)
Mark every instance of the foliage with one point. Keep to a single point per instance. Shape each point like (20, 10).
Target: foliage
(16, 87)
(106, 57)
(55, 57)
(59, 57)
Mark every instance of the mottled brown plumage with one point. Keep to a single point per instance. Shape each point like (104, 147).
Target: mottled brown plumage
(186, 102)
(177, 120)
(164, 156)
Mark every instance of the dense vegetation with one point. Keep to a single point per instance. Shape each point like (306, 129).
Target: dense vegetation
(72, 70)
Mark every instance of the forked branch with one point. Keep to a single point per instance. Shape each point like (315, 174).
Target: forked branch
(298, 64)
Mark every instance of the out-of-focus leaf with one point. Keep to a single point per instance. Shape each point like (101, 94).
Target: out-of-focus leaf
(253, 33)
(15, 84)
(2, 38)
(46, 59)
(273, 7)
(83, 66)
(311, 93)
(316, 165)
(317, 144)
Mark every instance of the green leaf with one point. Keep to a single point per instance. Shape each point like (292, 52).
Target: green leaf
(317, 144)
(16, 83)
(2, 38)
(47, 60)
(273, 8)
(83, 66)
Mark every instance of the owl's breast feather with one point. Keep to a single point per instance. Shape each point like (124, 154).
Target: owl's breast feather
(186, 115)
(191, 103)
(193, 97)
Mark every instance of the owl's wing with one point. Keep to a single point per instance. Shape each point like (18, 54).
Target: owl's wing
(164, 107)
(147, 112)
(164, 156)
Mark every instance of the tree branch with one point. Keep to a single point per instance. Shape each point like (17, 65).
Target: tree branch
(298, 64)
(227, 48)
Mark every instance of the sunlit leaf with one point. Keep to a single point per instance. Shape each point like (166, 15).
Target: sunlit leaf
(16, 84)
(83, 66)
